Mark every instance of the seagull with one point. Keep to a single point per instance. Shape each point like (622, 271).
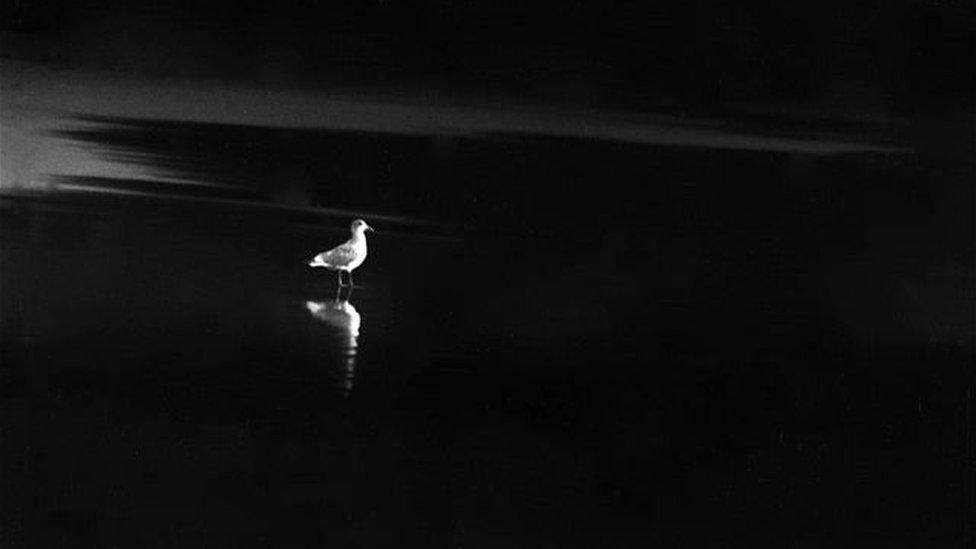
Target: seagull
(348, 256)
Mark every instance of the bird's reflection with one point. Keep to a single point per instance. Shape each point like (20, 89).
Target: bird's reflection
(344, 322)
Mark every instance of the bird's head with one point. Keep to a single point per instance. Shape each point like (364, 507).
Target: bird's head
(359, 226)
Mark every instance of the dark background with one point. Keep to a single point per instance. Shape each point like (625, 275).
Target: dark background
(596, 342)
(865, 58)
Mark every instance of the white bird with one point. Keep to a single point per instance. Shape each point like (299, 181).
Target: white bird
(347, 256)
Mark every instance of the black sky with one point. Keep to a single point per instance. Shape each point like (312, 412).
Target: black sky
(888, 57)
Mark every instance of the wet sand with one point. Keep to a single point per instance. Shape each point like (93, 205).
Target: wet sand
(555, 341)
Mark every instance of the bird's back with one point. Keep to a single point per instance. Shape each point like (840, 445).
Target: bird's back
(345, 256)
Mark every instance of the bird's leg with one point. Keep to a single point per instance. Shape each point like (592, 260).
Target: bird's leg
(339, 272)
(350, 280)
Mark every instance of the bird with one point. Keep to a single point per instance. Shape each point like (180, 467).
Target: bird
(345, 257)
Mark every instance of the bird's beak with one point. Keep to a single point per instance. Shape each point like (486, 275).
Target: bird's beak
(370, 229)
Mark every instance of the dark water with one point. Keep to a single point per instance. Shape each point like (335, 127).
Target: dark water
(616, 346)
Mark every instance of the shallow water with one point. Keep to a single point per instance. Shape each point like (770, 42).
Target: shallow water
(751, 355)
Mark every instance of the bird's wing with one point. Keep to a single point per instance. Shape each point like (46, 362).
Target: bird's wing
(338, 256)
